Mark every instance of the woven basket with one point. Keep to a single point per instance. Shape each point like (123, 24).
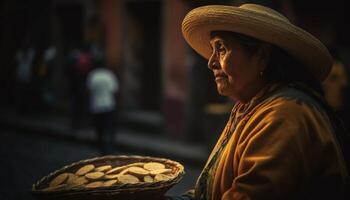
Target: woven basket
(141, 190)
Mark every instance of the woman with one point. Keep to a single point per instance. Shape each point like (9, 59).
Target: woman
(281, 141)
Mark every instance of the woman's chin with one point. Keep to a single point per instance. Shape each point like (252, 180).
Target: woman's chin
(221, 90)
(224, 91)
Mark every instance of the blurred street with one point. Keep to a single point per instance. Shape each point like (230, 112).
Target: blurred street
(26, 158)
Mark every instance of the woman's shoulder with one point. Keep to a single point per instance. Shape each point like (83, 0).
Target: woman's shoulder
(290, 110)
(291, 102)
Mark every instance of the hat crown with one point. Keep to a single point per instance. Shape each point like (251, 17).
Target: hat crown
(264, 10)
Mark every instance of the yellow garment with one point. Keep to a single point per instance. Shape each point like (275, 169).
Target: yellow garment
(282, 150)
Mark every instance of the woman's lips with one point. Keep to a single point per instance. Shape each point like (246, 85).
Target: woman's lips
(220, 77)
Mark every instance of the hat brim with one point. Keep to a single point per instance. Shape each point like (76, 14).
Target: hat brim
(200, 22)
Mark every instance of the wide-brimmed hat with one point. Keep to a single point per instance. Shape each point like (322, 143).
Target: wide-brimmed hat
(259, 22)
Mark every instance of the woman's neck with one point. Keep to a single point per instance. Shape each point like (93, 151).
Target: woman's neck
(255, 91)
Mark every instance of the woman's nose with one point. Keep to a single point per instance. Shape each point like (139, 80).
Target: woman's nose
(213, 63)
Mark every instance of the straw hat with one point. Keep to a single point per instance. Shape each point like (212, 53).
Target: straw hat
(259, 22)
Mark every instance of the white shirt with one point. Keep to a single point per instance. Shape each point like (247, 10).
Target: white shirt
(102, 84)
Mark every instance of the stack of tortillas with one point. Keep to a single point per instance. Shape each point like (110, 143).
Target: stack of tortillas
(90, 176)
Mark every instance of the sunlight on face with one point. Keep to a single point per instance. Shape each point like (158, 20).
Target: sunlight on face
(235, 72)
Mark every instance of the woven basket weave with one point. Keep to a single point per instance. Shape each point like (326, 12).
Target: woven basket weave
(142, 190)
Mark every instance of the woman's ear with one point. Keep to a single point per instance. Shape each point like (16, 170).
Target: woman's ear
(263, 56)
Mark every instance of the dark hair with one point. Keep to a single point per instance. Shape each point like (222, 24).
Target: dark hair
(282, 67)
(286, 69)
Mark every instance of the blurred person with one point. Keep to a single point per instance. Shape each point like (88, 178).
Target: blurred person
(334, 86)
(336, 89)
(25, 59)
(79, 65)
(282, 140)
(71, 73)
(50, 55)
(103, 86)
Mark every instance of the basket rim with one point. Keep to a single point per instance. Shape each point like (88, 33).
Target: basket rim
(121, 188)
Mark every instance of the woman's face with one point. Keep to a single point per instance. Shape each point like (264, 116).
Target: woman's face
(237, 74)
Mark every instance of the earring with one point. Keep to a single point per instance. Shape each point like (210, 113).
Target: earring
(261, 73)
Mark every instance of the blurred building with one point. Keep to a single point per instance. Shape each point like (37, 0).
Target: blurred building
(165, 86)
